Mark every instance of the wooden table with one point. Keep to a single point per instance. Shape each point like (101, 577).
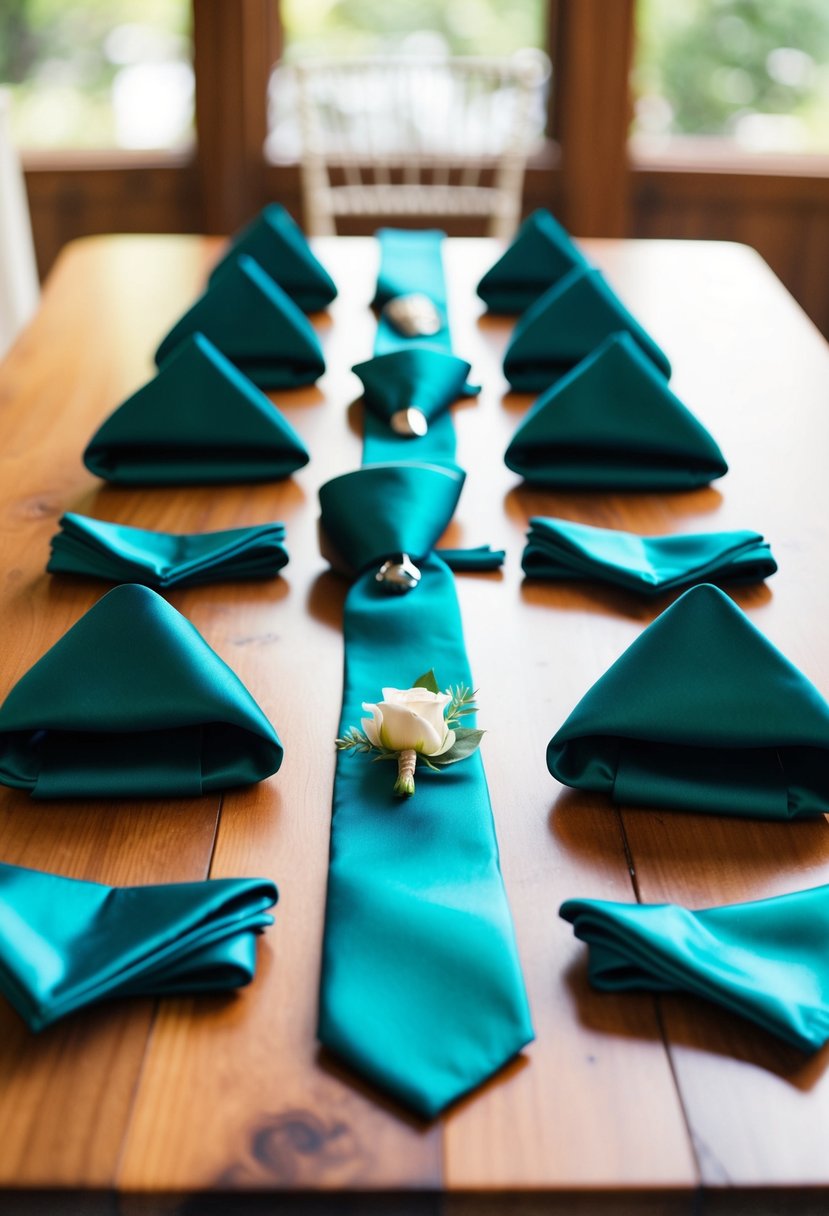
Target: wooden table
(625, 1103)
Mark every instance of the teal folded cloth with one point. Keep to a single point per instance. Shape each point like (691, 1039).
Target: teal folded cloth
(766, 960)
(198, 421)
(132, 702)
(541, 254)
(280, 247)
(564, 325)
(612, 423)
(701, 713)
(479, 560)
(256, 324)
(65, 944)
(558, 549)
(382, 510)
(98, 549)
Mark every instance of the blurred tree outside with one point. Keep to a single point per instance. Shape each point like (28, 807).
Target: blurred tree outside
(98, 73)
(753, 71)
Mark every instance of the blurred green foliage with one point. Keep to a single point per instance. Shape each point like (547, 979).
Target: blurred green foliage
(703, 66)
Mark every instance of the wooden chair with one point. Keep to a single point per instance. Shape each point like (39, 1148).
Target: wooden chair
(19, 288)
(409, 138)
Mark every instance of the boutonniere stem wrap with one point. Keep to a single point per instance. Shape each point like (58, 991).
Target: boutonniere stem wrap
(414, 723)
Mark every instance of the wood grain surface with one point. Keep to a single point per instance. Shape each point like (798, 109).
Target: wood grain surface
(624, 1104)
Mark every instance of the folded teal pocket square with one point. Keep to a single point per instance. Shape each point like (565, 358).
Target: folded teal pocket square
(566, 324)
(541, 254)
(701, 713)
(558, 549)
(278, 244)
(122, 554)
(256, 324)
(65, 943)
(765, 960)
(198, 421)
(132, 702)
(612, 423)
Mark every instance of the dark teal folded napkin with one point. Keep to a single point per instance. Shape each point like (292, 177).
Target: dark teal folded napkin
(541, 254)
(256, 324)
(198, 421)
(612, 423)
(766, 960)
(701, 713)
(65, 944)
(279, 246)
(414, 377)
(566, 324)
(163, 559)
(132, 702)
(558, 549)
(382, 510)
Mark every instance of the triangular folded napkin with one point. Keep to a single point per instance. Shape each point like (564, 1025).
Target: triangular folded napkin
(413, 377)
(65, 944)
(198, 421)
(133, 702)
(162, 559)
(541, 254)
(278, 244)
(765, 960)
(567, 323)
(701, 713)
(612, 423)
(256, 324)
(558, 549)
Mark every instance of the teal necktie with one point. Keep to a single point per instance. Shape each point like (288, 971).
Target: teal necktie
(65, 944)
(421, 986)
(765, 960)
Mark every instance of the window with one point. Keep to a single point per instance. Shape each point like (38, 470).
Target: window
(752, 75)
(98, 73)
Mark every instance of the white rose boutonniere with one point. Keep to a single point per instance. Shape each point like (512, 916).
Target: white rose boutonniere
(417, 722)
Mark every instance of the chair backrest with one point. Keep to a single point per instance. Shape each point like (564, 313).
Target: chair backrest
(408, 136)
(19, 289)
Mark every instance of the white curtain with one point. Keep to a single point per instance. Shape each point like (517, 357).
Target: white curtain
(18, 273)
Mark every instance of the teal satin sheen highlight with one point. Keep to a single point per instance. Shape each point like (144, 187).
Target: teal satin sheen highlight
(541, 254)
(255, 324)
(199, 421)
(65, 944)
(612, 423)
(558, 549)
(765, 960)
(566, 324)
(701, 713)
(422, 987)
(132, 702)
(277, 243)
(97, 549)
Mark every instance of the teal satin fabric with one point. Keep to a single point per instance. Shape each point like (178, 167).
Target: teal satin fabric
(566, 324)
(422, 989)
(199, 421)
(132, 702)
(97, 549)
(766, 960)
(701, 713)
(411, 372)
(278, 245)
(612, 423)
(256, 324)
(557, 549)
(382, 510)
(65, 944)
(541, 254)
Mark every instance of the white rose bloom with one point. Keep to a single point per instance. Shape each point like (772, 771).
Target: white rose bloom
(409, 718)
